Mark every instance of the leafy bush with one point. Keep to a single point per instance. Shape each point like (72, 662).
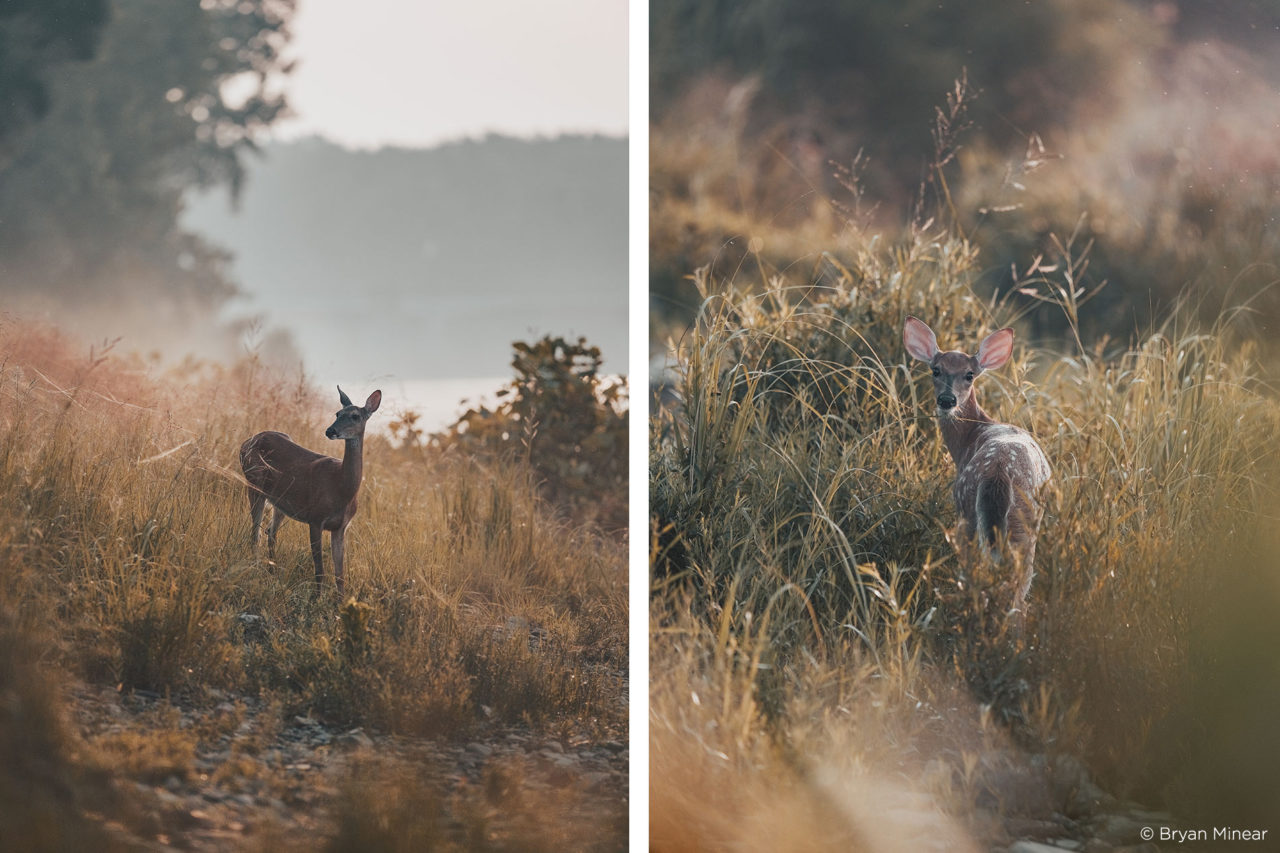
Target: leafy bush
(565, 420)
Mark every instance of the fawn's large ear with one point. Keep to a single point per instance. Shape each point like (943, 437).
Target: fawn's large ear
(921, 342)
(346, 401)
(996, 349)
(371, 405)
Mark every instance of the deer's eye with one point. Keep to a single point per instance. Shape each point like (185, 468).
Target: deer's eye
(969, 376)
(937, 372)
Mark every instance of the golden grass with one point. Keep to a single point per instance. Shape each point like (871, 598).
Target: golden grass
(126, 538)
(814, 637)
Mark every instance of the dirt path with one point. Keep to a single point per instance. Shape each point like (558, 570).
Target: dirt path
(233, 772)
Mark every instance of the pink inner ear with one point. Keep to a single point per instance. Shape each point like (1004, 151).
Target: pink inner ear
(996, 349)
(919, 339)
(374, 400)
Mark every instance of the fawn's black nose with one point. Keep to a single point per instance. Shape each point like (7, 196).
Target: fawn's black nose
(331, 433)
(946, 401)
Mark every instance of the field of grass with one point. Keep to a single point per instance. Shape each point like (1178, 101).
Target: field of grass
(475, 612)
(826, 676)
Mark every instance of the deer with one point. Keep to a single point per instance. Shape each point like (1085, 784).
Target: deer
(318, 490)
(1000, 468)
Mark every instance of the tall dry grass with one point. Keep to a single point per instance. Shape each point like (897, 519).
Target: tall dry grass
(126, 538)
(824, 669)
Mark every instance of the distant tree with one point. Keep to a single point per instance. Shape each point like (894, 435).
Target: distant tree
(566, 420)
(173, 99)
(879, 69)
(36, 36)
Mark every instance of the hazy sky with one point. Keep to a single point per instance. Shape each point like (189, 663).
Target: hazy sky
(420, 72)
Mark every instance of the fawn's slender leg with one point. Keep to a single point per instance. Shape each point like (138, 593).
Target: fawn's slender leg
(317, 553)
(337, 541)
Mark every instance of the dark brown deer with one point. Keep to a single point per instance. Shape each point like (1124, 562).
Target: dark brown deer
(1000, 468)
(318, 490)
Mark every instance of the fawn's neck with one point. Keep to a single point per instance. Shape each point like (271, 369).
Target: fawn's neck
(958, 431)
(352, 466)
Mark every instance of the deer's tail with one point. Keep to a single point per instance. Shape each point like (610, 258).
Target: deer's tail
(995, 497)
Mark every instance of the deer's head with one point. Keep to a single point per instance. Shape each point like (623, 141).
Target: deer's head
(351, 418)
(954, 372)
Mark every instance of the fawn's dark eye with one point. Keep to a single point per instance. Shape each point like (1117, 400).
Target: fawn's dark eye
(969, 376)
(937, 372)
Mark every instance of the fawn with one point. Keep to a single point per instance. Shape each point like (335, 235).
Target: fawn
(1000, 468)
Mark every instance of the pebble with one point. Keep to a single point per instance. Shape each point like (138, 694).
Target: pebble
(1033, 847)
(354, 738)
(1119, 829)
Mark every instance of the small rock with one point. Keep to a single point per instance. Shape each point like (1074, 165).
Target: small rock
(481, 749)
(171, 800)
(595, 781)
(1032, 828)
(354, 738)
(554, 746)
(1119, 829)
(252, 626)
(1033, 847)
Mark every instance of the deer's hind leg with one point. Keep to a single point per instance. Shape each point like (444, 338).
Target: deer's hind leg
(257, 500)
(277, 518)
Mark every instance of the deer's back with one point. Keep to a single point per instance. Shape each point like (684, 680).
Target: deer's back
(301, 482)
(1004, 453)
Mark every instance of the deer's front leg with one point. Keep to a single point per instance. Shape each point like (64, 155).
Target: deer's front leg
(317, 553)
(337, 540)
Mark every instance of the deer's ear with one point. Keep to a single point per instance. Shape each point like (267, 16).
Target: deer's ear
(346, 401)
(920, 339)
(996, 349)
(371, 405)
